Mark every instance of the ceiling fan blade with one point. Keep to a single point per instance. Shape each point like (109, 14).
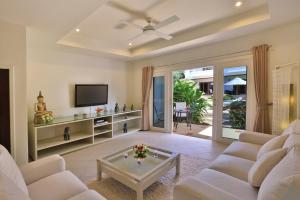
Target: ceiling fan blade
(127, 10)
(162, 35)
(131, 24)
(167, 22)
(135, 37)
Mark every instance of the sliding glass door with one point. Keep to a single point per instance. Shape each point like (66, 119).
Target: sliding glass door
(234, 100)
(160, 102)
(158, 119)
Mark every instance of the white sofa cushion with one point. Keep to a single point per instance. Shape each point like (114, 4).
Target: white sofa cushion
(284, 179)
(9, 190)
(243, 150)
(292, 141)
(87, 195)
(58, 186)
(233, 166)
(42, 168)
(275, 143)
(255, 137)
(211, 184)
(293, 128)
(264, 165)
(9, 167)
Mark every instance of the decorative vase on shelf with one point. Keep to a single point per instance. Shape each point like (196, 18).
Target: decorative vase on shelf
(132, 107)
(67, 133)
(124, 108)
(125, 128)
(116, 107)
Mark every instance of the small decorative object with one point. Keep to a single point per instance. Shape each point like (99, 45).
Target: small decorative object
(125, 156)
(125, 117)
(140, 152)
(116, 107)
(41, 113)
(155, 154)
(98, 110)
(76, 116)
(125, 128)
(67, 133)
(132, 107)
(84, 115)
(124, 108)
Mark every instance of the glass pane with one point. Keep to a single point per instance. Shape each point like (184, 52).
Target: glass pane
(234, 101)
(159, 101)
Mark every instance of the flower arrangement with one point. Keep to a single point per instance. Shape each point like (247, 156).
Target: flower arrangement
(46, 118)
(99, 110)
(140, 151)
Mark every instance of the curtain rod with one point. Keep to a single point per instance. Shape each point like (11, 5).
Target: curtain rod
(205, 58)
(286, 65)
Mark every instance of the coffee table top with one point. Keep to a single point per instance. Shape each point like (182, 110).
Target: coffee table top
(129, 166)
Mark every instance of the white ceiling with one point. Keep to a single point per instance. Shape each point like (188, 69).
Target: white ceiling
(201, 22)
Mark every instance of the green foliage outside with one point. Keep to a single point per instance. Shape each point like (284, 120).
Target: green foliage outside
(228, 97)
(237, 114)
(186, 91)
(177, 76)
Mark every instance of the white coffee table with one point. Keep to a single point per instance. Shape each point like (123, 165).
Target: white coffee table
(138, 176)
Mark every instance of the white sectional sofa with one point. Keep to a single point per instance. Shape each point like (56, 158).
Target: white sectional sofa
(45, 179)
(258, 166)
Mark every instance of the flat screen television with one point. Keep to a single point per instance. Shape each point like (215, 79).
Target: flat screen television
(91, 95)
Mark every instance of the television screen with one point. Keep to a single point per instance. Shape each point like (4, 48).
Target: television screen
(91, 95)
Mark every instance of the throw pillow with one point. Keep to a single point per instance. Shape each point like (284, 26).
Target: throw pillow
(293, 128)
(272, 144)
(264, 165)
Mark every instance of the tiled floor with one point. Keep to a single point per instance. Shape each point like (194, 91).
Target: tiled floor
(83, 162)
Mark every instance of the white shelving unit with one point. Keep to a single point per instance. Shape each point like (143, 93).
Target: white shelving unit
(47, 139)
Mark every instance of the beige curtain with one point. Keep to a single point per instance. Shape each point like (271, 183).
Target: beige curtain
(260, 64)
(146, 89)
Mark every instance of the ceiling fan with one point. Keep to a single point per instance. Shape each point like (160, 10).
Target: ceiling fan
(151, 28)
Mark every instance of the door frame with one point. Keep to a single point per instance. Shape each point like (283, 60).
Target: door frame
(168, 102)
(12, 108)
(218, 97)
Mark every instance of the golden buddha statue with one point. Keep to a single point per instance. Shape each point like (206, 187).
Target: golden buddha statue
(41, 113)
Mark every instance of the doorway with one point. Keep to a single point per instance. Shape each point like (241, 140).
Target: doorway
(215, 101)
(193, 91)
(5, 109)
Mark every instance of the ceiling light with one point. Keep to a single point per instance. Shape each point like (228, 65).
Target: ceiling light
(77, 30)
(130, 44)
(238, 4)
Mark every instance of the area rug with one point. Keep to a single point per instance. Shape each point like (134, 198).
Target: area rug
(160, 190)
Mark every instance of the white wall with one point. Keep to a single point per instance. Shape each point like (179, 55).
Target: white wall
(13, 55)
(284, 39)
(55, 71)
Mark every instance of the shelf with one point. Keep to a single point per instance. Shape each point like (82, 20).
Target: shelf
(127, 119)
(86, 133)
(118, 133)
(101, 132)
(67, 148)
(104, 124)
(59, 140)
(126, 112)
(100, 139)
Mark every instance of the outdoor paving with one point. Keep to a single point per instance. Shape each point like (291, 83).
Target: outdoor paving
(205, 131)
(200, 131)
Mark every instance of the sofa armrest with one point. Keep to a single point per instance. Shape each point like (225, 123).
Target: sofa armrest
(42, 168)
(255, 137)
(193, 189)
